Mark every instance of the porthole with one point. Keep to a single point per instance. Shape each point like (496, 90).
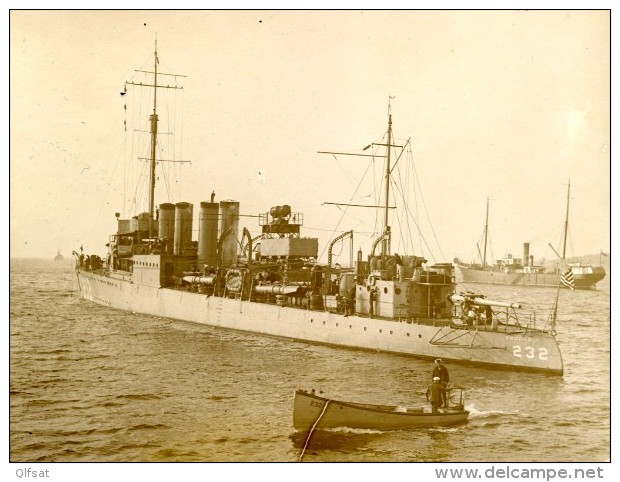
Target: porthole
(397, 291)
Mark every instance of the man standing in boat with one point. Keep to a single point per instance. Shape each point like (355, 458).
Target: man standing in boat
(434, 394)
(440, 371)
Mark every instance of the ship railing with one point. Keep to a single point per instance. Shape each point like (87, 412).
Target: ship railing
(478, 312)
(265, 219)
(433, 278)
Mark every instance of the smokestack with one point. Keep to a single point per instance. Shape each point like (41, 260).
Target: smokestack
(230, 220)
(207, 233)
(526, 254)
(166, 221)
(182, 227)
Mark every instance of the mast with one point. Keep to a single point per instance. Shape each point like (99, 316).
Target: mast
(153, 119)
(386, 241)
(385, 238)
(385, 251)
(566, 223)
(486, 230)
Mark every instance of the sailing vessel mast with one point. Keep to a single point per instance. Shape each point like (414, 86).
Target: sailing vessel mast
(566, 223)
(486, 231)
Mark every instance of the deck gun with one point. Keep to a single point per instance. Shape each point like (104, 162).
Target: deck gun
(479, 300)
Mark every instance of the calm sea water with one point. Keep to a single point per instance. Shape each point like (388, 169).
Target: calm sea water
(89, 383)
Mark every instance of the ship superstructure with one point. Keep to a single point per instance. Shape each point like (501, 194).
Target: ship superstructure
(274, 284)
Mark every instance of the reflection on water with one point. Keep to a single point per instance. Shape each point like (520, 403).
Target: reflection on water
(330, 443)
(441, 442)
(88, 383)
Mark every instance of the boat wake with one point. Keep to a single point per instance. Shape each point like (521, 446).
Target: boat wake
(353, 430)
(444, 429)
(474, 413)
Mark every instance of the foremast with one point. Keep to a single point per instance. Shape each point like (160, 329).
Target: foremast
(153, 121)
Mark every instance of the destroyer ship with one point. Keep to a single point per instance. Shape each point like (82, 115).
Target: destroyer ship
(516, 271)
(274, 284)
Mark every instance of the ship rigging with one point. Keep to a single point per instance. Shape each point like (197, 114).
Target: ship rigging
(275, 285)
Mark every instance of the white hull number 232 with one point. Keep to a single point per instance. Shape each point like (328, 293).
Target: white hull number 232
(529, 352)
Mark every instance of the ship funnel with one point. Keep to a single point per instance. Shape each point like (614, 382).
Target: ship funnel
(183, 227)
(526, 254)
(166, 223)
(207, 233)
(229, 211)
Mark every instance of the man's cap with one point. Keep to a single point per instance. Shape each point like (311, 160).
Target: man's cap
(438, 360)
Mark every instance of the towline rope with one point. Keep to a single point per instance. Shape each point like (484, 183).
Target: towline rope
(312, 430)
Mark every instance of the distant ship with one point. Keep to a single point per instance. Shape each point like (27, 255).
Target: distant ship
(273, 283)
(59, 257)
(523, 272)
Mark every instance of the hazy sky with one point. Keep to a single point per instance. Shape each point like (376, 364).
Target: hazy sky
(508, 105)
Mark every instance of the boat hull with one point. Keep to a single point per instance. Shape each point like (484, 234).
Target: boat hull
(584, 281)
(521, 350)
(310, 409)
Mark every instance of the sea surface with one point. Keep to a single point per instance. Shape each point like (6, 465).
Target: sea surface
(93, 384)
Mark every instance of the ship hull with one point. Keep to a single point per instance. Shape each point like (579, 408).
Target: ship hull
(533, 351)
(312, 412)
(585, 281)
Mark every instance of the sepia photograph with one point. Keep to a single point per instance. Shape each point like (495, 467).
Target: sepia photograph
(342, 236)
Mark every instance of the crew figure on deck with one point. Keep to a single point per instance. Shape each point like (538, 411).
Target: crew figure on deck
(373, 300)
(350, 302)
(399, 267)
